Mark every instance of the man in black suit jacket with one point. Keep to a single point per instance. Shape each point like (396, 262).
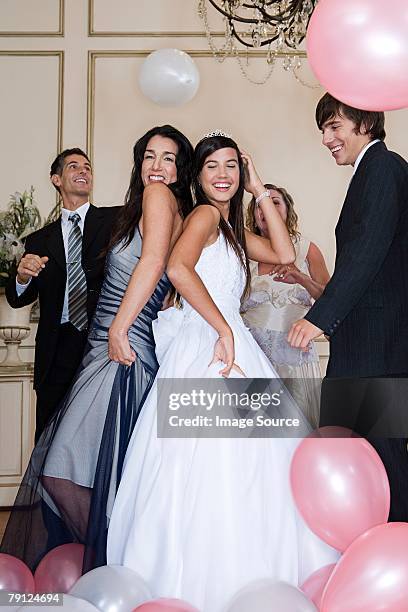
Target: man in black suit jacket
(42, 273)
(364, 307)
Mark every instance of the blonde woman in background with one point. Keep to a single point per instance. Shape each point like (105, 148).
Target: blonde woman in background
(281, 295)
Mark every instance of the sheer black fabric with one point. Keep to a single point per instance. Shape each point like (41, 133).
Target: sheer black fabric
(69, 487)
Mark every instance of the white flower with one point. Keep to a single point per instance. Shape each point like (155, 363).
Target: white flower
(21, 218)
(11, 246)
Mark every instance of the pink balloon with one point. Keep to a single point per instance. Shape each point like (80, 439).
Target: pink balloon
(372, 575)
(314, 586)
(340, 486)
(15, 576)
(59, 570)
(358, 50)
(166, 605)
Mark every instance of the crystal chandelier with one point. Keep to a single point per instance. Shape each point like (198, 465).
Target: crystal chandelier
(276, 27)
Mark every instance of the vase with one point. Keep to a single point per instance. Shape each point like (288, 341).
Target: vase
(14, 327)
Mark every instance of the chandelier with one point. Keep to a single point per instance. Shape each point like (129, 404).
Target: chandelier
(276, 27)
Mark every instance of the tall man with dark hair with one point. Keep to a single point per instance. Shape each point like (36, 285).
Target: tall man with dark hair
(63, 267)
(364, 307)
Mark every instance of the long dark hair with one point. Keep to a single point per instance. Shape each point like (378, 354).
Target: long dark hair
(235, 237)
(130, 214)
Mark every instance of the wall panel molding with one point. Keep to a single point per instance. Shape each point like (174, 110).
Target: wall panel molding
(93, 56)
(141, 34)
(30, 34)
(17, 424)
(60, 103)
(60, 55)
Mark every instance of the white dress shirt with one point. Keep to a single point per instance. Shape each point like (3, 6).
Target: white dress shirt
(362, 153)
(65, 227)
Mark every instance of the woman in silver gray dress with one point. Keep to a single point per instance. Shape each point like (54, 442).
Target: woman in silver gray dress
(74, 471)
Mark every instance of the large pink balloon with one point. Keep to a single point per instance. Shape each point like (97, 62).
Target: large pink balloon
(340, 486)
(15, 576)
(59, 570)
(165, 605)
(372, 575)
(358, 50)
(314, 586)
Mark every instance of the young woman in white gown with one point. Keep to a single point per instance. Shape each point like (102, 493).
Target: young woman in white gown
(200, 518)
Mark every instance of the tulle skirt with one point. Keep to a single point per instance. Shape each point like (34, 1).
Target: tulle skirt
(68, 489)
(199, 518)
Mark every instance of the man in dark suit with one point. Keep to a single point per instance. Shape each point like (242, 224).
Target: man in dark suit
(364, 307)
(63, 267)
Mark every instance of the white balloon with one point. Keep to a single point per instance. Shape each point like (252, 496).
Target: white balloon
(112, 588)
(69, 604)
(169, 77)
(268, 596)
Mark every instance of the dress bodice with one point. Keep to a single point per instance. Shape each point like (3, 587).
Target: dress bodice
(275, 305)
(120, 264)
(223, 276)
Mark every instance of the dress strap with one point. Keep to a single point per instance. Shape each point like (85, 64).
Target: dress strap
(302, 248)
(253, 267)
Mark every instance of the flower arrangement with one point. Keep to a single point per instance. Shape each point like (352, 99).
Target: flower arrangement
(21, 218)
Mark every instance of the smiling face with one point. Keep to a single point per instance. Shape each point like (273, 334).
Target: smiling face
(342, 139)
(75, 180)
(219, 176)
(159, 161)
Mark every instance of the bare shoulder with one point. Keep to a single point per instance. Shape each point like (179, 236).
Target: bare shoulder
(159, 194)
(205, 214)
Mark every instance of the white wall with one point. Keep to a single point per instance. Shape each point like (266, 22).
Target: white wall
(101, 45)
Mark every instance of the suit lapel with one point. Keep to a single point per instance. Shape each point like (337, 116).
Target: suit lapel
(55, 243)
(93, 220)
(378, 146)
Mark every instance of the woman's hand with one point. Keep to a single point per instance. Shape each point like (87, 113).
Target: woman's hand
(119, 349)
(288, 274)
(253, 183)
(224, 351)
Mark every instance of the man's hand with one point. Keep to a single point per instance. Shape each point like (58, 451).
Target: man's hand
(302, 332)
(29, 266)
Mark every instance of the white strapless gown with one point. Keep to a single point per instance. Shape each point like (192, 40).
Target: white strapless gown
(200, 518)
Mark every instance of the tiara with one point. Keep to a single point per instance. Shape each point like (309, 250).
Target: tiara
(216, 133)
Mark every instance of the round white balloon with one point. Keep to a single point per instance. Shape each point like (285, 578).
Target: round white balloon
(266, 595)
(112, 588)
(169, 77)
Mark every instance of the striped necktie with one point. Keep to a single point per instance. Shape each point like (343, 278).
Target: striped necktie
(76, 277)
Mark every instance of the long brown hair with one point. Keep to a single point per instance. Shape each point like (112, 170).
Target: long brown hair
(130, 214)
(291, 217)
(234, 230)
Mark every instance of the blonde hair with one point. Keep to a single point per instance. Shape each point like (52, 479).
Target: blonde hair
(291, 217)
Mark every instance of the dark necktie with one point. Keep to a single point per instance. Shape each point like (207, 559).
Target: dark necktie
(76, 277)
